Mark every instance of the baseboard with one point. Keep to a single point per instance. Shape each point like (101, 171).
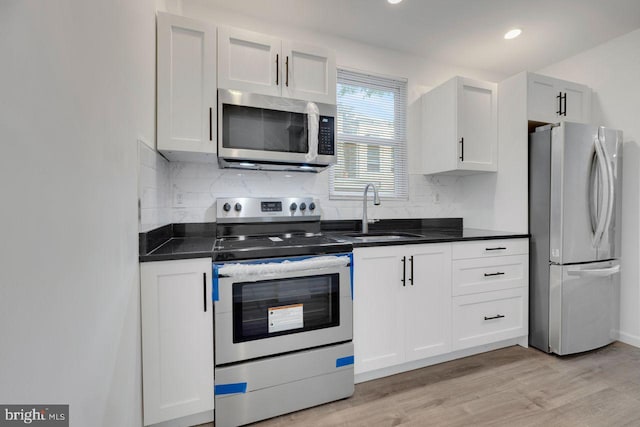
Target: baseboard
(392, 370)
(630, 339)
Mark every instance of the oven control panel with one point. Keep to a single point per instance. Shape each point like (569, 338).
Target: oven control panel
(266, 209)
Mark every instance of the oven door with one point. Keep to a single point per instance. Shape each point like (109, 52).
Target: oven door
(278, 306)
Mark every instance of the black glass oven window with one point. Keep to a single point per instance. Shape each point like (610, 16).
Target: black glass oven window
(318, 297)
(250, 128)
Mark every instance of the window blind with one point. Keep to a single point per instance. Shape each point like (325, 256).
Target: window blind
(371, 136)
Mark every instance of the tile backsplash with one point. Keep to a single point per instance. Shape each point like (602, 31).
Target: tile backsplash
(154, 189)
(195, 187)
(184, 192)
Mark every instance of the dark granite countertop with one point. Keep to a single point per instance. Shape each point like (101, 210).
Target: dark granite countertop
(182, 241)
(178, 241)
(412, 231)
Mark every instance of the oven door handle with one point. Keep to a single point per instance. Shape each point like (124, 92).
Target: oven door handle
(283, 266)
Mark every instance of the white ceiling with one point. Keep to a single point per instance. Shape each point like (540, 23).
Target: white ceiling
(467, 33)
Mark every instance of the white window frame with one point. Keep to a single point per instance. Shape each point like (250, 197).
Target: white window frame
(399, 142)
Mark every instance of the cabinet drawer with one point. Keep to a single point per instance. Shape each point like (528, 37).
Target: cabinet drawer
(489, 317)
(490, 248)
(489, 274)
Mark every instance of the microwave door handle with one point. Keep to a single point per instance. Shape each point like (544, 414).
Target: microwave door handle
(313, 124)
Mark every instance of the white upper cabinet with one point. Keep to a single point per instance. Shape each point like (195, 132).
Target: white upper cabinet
(186, 86)
(249, 61)
(459, 127)
(309, 72)
(552, 100)
(258, 63)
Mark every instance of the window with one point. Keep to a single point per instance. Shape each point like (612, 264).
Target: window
(371, 133)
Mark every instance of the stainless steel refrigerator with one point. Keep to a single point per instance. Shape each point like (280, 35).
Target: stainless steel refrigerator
(575, 173)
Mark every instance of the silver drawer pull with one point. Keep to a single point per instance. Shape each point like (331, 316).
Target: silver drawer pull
(499, 248)
(499, 273)
(497, 316)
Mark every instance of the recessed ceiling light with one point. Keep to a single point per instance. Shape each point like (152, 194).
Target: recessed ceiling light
(512, 34)
(394, 1)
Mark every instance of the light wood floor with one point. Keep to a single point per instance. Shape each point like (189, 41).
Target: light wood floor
(508, 387)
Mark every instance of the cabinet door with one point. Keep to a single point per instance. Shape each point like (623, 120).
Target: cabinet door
(427, 301)
(177, 339)
(578, 102)
(309, 72)
(543, 104)
(249, 61)
(186, 73)
(377, 308)
(477, 125)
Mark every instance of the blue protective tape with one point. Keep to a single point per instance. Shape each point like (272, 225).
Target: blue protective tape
(216, 296)
(351, 272)
(230, 388)
(343, 361)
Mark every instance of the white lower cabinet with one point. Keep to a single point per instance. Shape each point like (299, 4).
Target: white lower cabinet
(489, 316)
(414, 302)
(401, 304)
(490, 291)
(177, 339)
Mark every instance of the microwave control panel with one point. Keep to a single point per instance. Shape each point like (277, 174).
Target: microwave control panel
(326, 136)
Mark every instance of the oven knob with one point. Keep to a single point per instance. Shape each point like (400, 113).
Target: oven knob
(303, 206)
(293, 206)
(226, 207)
(312, 206)
(238, 207)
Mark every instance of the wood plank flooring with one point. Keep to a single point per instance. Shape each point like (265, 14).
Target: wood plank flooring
(508, 387)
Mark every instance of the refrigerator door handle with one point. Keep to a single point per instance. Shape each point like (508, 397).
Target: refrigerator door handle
(611, 191)
(600, 272)
(604, 172)
(594, 193)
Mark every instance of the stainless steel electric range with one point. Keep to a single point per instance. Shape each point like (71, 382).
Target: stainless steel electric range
(283, 310)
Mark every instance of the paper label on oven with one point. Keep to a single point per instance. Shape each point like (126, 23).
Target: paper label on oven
(285, 318)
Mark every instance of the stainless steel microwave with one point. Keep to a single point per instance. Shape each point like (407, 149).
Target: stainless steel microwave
(274, 133)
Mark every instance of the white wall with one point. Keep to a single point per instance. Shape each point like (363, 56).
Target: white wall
(195, 187)
(612, 70)
(76, 92)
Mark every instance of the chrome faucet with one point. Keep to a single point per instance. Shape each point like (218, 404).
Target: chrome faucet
(376, 201)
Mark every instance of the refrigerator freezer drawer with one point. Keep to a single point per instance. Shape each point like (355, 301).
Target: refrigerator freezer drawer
(490, 248)
(475, 275)
(489, 317)
(583, 306)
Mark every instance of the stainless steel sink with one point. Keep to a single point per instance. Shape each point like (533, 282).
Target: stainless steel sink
(379, 236)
